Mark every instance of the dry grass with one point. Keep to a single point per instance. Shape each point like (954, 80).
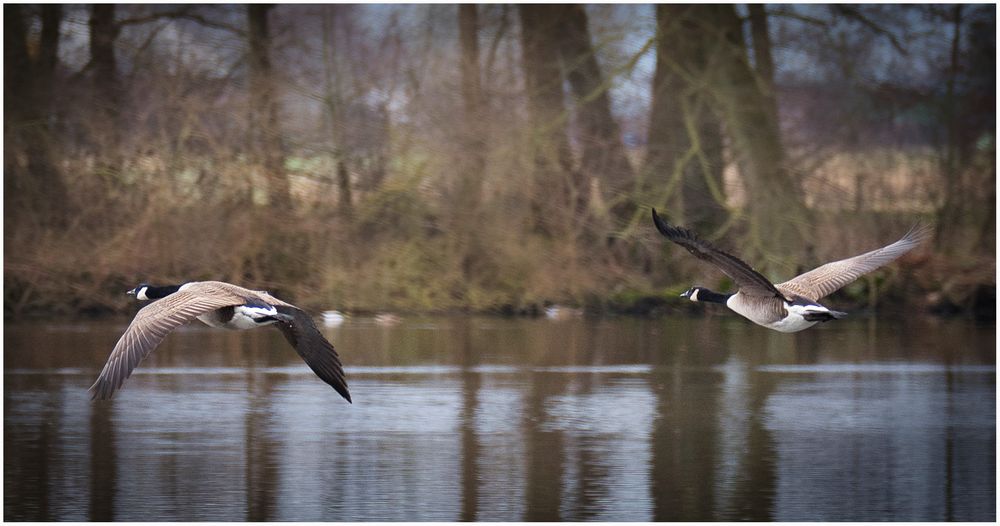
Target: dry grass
(396, 252)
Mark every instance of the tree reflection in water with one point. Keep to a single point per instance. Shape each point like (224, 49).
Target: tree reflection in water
(508, 420)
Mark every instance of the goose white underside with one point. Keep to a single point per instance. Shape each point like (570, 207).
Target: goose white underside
(795, 320)
(244, 317)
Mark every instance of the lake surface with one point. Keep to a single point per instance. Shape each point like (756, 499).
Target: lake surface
(494, 419)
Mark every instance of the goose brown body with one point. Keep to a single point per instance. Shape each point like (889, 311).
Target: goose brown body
(793, 305)
(217, 303)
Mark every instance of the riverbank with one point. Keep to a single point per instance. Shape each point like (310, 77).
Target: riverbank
(974, 301)
(79, 273)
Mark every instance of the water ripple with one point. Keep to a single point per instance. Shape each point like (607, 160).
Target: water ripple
(876, 368)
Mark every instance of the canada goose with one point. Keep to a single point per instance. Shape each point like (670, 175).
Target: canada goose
(790, 306)
(215, 304)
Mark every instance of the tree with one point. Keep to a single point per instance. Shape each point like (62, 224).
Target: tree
(103, 64)
(265, 132)
(558, 186)
(32, 183)
(762, 59)
(472, 100)
(602, 152)
(966, 217)
(105, 84)
(472, 159)
(775, 211)
(357, 78)
(685, 138)
(335, 101)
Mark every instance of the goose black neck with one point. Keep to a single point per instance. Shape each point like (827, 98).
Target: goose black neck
(161, 292)
(712, 297)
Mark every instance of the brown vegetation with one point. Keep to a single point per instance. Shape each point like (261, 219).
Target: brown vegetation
(489, 158)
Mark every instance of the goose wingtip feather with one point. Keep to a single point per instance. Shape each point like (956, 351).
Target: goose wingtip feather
(99, 391)
(919, 233)
(674, 232)
(665, 228)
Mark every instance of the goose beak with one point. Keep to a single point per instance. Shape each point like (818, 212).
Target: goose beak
(130, 292)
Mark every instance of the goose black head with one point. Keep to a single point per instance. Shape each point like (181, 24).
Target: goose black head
(145, 291)
(692, 293)
(139, 291)
(703, 294)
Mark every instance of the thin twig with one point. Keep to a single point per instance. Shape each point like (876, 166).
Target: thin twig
(855, 14)
(183, 13)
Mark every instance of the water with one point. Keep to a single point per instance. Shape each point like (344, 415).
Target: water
(508, 420)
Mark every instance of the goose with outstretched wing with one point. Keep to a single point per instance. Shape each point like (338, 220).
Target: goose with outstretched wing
(216, 304)
(793, 305)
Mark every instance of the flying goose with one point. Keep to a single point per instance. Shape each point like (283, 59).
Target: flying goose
(793, 305)
(216, 304)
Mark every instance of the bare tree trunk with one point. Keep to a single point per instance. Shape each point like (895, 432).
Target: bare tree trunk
(344, 185)
(558, 187)
(950, 215)
(379, 159)
(104, 66)
(472, 160)
(472, 106)
(16, 87)
(472, 92)
(106, 87)
(776, 213)
(685, 139)
(33, 186)
(264, 130)
(603, 153)
(982, 65)
(335, 107)
(48, 51)
(763, 61)
(16, 61)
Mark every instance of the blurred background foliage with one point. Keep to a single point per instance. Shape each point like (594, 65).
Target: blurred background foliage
(493, 158)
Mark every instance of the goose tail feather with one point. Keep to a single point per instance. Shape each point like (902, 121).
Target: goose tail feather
(824, 316)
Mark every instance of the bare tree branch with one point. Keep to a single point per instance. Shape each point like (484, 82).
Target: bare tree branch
(853, 13)
(183, 13)
(497, 38)
(786, 13)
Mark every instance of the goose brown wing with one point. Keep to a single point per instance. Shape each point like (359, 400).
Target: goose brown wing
(826, 279)
(151, 324)
(315, 350)
(751, 282)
